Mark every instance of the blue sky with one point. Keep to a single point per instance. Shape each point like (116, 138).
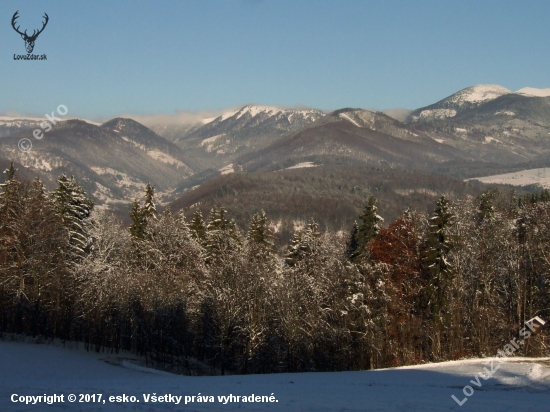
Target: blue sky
(107, 58)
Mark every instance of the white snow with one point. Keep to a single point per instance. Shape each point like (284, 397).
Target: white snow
(521, 178)
(458, 129)
(520, 384)
(228, 115)
(489, 139)
(209, 120)
(19, 119)
(439, 140)
(534, 92)
(209, 142)
(438, 113)
(165, 158)
(122, 179)
(103, 193)
(506, 112)
(291, 114)
(227, 169)
(303, 164)
(345, 116)
(255, 110)
(478, 94)
(138, 145)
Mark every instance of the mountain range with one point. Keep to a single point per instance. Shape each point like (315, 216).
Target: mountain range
(478, 130)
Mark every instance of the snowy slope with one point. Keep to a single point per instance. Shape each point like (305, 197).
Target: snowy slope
(519, 385)
(533, 92)
(522, 178)
(478, 94)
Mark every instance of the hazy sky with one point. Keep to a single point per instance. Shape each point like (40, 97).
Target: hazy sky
(106, 58)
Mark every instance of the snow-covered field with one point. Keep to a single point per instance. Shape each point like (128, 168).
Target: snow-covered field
(521, 178)
(521, 384)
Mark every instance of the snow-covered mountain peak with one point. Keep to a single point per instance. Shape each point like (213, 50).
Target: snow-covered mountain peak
(254, 110)
(478, 94)
(534, 92)
(263, 113)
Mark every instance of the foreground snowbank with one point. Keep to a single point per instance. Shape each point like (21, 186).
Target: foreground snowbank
(27, 369)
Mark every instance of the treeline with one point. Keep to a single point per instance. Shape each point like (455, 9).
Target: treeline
(332, 195)
(204, 296)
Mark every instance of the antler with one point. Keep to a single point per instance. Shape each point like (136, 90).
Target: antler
(15, 16)
(35, 35)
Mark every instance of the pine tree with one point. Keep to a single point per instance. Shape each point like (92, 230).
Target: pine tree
(486, 210)
(440, 270)
(217, 220)
(73, 207)
(222, 235)
(9, 197)
(149, 210)
(353, 244)
(137, 228)
(198, 227)
(367, 230)
(259, 231)
(141, 215)
(304, 242)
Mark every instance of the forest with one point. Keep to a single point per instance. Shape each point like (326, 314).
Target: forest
(203, 296)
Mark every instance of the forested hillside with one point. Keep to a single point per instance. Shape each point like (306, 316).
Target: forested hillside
(332, 194)
(205, 296)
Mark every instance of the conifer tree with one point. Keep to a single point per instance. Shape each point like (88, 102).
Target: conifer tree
(367, 230)
(137, 228)
(303, 243)
(9, 197)
(149, 210)
(222, 235)
(197, 226)
(259, 232)
(436, 259)
(73, 206)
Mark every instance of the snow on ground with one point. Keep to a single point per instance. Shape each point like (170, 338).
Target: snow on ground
(439, 140)
(521, 178)
(227, 169)
(122, 179)
(480, 93)
(489, 139)
(521, 384)
(209, 142)
(349, 119)
(438, 113)
(532, 91)
(303, 164)
(165, 158)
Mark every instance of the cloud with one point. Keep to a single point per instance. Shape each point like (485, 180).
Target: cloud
(398, 113)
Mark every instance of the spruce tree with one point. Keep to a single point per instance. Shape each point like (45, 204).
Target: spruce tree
(73, 206)
(198, 227)
(259, 232)
(222, 235)
(149, 209)
(137, 228)
(9, 197)
(303, 243)
(436, 259)
(367, 230)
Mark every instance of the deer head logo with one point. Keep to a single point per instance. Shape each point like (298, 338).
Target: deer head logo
(29, 40)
